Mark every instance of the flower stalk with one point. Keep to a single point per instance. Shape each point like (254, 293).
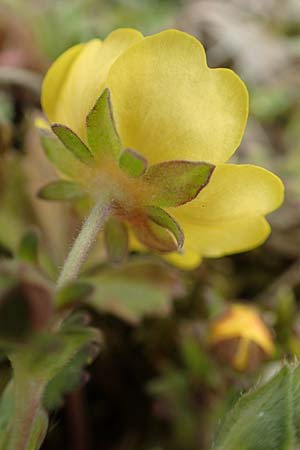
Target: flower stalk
(83, 243)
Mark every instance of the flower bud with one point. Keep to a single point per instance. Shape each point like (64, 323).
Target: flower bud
(240, 337)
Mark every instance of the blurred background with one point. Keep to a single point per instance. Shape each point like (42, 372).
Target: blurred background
(158, 383)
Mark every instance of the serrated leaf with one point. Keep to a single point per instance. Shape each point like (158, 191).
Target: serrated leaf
(61, 190)
(66, 380)
(102, 135)
(28, 248)
(59, 155)
(267, 418)
(132, 163)
(129, 300)
(73, 143)
(49, 354)
(116, 240)
(163, 219)
(173, 183)
(136, 289)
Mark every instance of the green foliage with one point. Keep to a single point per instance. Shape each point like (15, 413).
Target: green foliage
(61, 190)
(67, 379)
(164, 220)
(101, 130)
(177, 182)
(135, 290)
(28, 248)
(158, 231)
(267, 418)
(132, 163)
(136, 304)
(57, 153)
(49, 354)
(72, 292)
(73, 143)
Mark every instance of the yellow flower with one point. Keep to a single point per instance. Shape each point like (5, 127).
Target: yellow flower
(168, 105)
(241, 323)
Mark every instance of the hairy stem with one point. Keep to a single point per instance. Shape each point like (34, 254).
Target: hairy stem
(29, 424)
(83, 243)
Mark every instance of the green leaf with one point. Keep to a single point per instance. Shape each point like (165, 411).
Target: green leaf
(61, 190)
(137, 289)
(73, 292)
(66, 380)
(49, 354)
(133, 163)
(267, 418)
(174, 183)
(163, 219)
(28, 248)
(73, 143)
(102, 135)
(116, 240)
(59, 155)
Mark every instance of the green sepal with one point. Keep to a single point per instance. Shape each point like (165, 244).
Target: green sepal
(173, 183)
(163, 219)
(28, 248)
(116, 240)
(58, 154)
(267, 418)
(102, 134)
(132, 163)
(61, 190)
(73, 143)
(158, 231)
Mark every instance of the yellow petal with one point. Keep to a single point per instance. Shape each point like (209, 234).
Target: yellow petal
(227, 216)
(241, 358)
(169, 105)
(231, 236)
(234, 191)
(189, 259)
(77, 90)
(242, 321)
(55, 80)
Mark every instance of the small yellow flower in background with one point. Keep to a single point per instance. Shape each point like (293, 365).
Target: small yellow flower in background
(243, 326)
(145, 120)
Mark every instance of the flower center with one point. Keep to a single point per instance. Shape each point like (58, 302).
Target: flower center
(127, 194)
